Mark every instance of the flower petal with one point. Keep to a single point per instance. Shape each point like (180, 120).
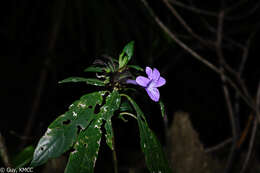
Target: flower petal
(131, 81)
(153, 93)
(160, 82)
(156, 74)
(142, 81)
(149, 72)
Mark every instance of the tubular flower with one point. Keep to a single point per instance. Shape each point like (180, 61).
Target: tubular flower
(151, 83)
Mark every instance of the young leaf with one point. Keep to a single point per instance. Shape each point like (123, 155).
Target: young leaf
(129, 50)
(126, 54)
(93, 69)
(62, 133)
(162, 108)
(90, 81)
(24, 157)
(85, 153)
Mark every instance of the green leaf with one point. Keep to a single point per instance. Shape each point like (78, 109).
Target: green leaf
(93, 69)
(162, 108)
(129, 50)
(125, 106)
(126, 54)
(111, 66)
(95, 82)
(136, 67)
(73, 79)
(84, 156)
(135, 106)
(24, 157)
(150, 145)
(120, 61)
(62, 133)
(90, 81)
(154, 155)
(113, 102)
(109, 134)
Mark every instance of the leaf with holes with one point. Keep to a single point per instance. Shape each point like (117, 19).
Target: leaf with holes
(85, 153)
(86, 149)
(113, 101)
(107, 111)
(90, 81)
(62, 133)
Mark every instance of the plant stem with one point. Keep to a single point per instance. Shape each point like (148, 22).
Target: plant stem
(129, 114)
(114, 154)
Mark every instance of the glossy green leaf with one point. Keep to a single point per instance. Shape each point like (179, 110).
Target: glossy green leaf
(93, 69)
(109, 134)
(62, 133)
(113, 102)
(95, 82)
(126, 54)
(84, 156)
(136, 67)
(121, 62)
(90, 81)
(154, 155)
(23, 158)
(129, 50)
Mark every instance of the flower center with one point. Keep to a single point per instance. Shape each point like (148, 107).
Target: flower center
(150, 83)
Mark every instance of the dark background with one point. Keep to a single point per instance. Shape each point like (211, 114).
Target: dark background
(43, 42)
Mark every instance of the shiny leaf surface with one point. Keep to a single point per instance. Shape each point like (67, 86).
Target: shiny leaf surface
(84, 156)
(62, 133)
(90, 81)
(93, 69)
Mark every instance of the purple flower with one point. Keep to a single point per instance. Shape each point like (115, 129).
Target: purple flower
(151, 83)
(131, 81)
